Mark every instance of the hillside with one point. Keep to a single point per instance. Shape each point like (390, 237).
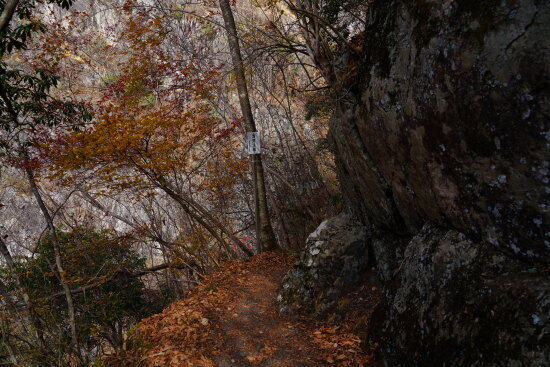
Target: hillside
(242, 183)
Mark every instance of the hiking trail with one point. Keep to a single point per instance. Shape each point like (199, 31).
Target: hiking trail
(232, 320)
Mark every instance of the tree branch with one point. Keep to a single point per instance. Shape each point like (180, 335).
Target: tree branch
(7, 14)
(136, 274)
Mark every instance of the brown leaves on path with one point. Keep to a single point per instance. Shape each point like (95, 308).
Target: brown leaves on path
(231, 320)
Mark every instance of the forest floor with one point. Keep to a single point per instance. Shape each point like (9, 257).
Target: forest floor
(231, 320)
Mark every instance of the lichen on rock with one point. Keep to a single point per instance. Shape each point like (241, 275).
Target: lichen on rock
(441, 145)
(456, 302)
(333, 261)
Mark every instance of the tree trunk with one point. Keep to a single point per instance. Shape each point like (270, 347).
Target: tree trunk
(265, 236)
(9, 348)
(210, 228)
(27, 302)
(190, 206)
(7, 14)
(212, 219)
(58, 263)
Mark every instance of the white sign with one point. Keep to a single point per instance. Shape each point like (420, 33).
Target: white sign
(253, 142)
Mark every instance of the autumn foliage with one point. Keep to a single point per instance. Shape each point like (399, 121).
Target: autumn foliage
(155, 128)
(153, 119)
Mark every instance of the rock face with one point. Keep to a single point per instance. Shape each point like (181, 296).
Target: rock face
(448, 121)
(441, 145)
(455, 303)
(332, 263)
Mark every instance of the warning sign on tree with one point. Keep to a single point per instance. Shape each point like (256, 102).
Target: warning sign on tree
(253, 142)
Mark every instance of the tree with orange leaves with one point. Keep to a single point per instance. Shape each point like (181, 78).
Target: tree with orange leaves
(155, 129)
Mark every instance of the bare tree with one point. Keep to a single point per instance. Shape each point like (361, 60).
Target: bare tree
(264, 231)
(58, 262)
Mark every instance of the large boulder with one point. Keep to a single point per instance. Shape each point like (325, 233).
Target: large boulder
(332, 263)
(456, 303)
(445, 125)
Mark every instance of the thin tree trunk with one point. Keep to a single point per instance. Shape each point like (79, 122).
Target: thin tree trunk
(58, 263)
(265, 236)
(187, 203)
(27, 302)
(210, 217)
(153, 236)
(13, 358)
(8, 346)
(7, 14)
(186, 207)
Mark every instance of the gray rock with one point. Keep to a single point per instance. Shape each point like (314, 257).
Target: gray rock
(332, 263)
(442, 122)
(432, 129)
(446, 122)
(455, 302)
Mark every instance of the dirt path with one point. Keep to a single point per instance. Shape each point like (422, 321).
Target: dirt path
(254, 334)
(231, 320)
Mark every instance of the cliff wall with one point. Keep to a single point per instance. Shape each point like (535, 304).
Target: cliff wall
(441, 142)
